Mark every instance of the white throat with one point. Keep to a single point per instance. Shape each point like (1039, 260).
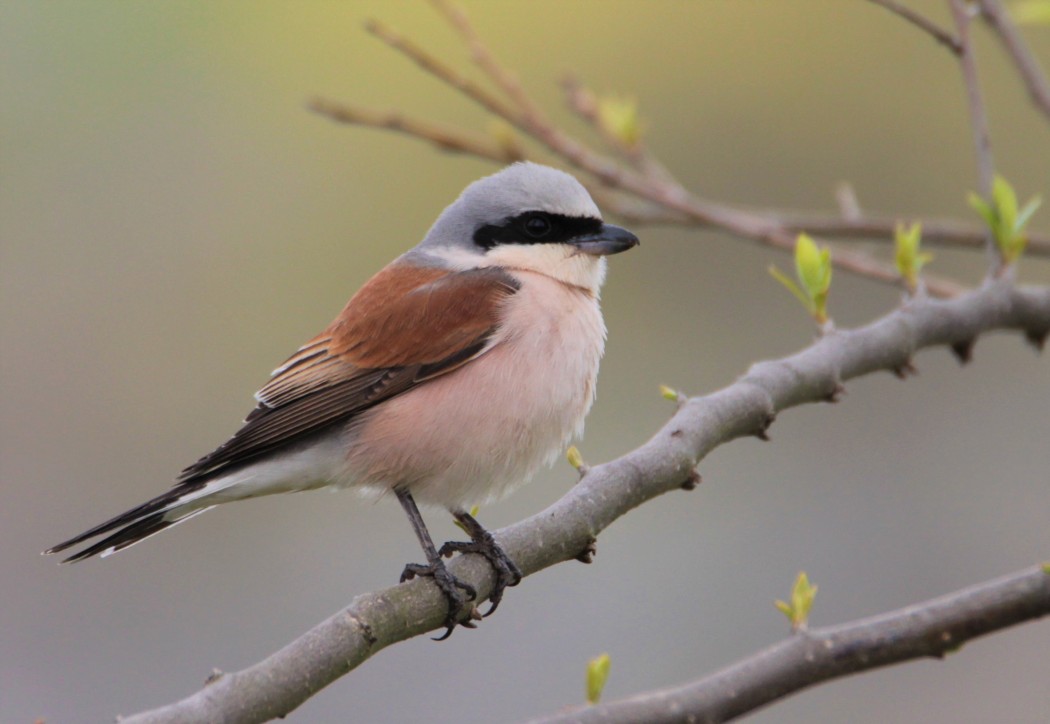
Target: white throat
(562, 262)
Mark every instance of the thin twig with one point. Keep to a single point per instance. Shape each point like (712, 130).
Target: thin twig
(923, 23)
(938, 232)
(442, 71)
(531, 120)
(942, 232)
(1031, 72)
(444, 137)
(696, 210)
(982, 143)
(932, 628)
(531, 112)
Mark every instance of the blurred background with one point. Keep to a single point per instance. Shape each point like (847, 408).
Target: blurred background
(174, 223)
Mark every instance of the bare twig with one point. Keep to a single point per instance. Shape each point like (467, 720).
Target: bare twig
(963, 17)
(923, 23)
(445, 138)
(532, 114)
(442, 71)
(693, 210)
(528, 117)
(938, 232)
(281, 682)
(943, 232)
(1028, 67)
(933, 628)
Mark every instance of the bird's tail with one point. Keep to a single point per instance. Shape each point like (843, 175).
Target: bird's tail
(133, 526)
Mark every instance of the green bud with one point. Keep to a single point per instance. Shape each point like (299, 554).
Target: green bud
(813, 269)
(574, 457)
(1004, 219)
(908, 258)
(802, 595)
(618, 117)
(597, 674)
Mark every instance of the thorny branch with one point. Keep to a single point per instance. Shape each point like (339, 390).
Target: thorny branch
(933, 628)
(644, 189)
(278, 684)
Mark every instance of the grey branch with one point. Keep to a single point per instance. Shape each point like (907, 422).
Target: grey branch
(930, 629)
(278, 684)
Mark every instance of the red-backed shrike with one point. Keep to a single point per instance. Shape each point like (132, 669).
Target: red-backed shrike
(452, 376)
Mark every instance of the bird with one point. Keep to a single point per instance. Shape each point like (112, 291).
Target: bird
(452, 376)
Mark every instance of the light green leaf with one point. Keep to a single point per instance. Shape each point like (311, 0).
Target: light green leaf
(668, 393)
(809, 265)
(597, 675)
(1025, 214)
(802, 595)
(1006, 222)
(908, 257)
(813, 269)
(984, 209)
(1005, 199)
(790, 285)
(618, 117)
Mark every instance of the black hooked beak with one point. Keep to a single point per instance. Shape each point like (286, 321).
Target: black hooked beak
(607, 240)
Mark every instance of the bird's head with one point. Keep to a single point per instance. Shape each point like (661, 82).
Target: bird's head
(526, 217)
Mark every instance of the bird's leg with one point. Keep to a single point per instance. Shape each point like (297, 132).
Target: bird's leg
(482, 543)
(435, 569)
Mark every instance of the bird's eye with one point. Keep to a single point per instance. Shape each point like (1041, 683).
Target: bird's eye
(537, 226)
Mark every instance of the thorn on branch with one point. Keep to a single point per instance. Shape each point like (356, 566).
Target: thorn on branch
(762, 433)
(693, 480)
(1037, 338)
(963, 351)
(836, 394)
(903, 370)
(588, 553)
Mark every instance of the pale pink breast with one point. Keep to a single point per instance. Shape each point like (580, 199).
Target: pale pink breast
(473, 435)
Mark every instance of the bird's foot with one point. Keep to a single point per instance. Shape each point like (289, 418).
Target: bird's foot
(457, 592)
(482, 543)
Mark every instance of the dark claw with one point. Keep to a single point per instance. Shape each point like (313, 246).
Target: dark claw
(506, 571)
(449, 586)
